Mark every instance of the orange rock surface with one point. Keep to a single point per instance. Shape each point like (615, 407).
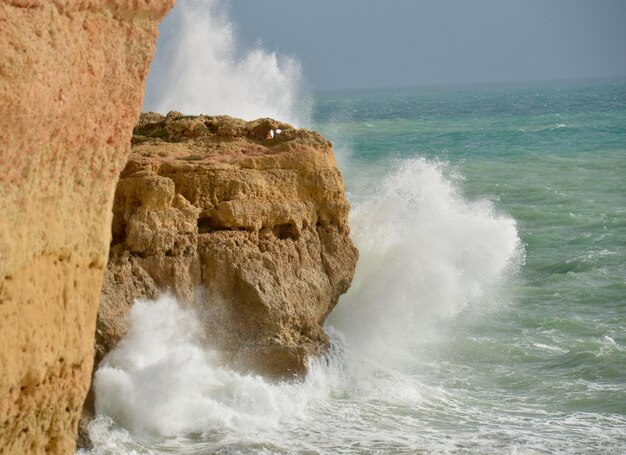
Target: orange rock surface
(71, 85)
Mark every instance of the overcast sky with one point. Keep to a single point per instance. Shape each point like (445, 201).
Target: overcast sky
(385, 43)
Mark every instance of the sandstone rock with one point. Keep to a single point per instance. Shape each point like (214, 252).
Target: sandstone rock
(246, 220)
(71, 85)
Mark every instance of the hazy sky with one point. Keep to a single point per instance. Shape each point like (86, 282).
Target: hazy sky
(366, 43)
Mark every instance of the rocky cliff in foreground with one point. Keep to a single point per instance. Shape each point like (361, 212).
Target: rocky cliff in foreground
(71, 85)
(246, 220)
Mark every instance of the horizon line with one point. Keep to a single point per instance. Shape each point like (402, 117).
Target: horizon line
(467, 84)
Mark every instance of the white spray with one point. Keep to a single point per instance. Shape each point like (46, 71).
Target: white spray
(426, 253)
(162, 380)
(199, 69)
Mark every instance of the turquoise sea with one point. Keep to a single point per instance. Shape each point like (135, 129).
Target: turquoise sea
(488, 312)
(545, 369)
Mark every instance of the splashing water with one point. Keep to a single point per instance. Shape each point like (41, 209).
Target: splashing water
(199, 69)
(425, 254)
(163, 356)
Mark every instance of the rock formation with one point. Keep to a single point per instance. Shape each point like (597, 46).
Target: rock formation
(71, 85)
(247, 220)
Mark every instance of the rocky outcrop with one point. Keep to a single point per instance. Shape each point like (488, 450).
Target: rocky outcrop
(71, 86)
(246, 220)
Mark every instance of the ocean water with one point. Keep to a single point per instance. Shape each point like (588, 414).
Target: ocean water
(487, 314)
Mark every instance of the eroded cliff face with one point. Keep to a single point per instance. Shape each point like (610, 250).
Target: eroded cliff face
(71, 85)
(246, 220)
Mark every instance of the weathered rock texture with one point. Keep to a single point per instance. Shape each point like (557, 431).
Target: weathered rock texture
(71, 85)
(247, 220)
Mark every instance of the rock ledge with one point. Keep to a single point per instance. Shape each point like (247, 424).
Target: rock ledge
(246, 220)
